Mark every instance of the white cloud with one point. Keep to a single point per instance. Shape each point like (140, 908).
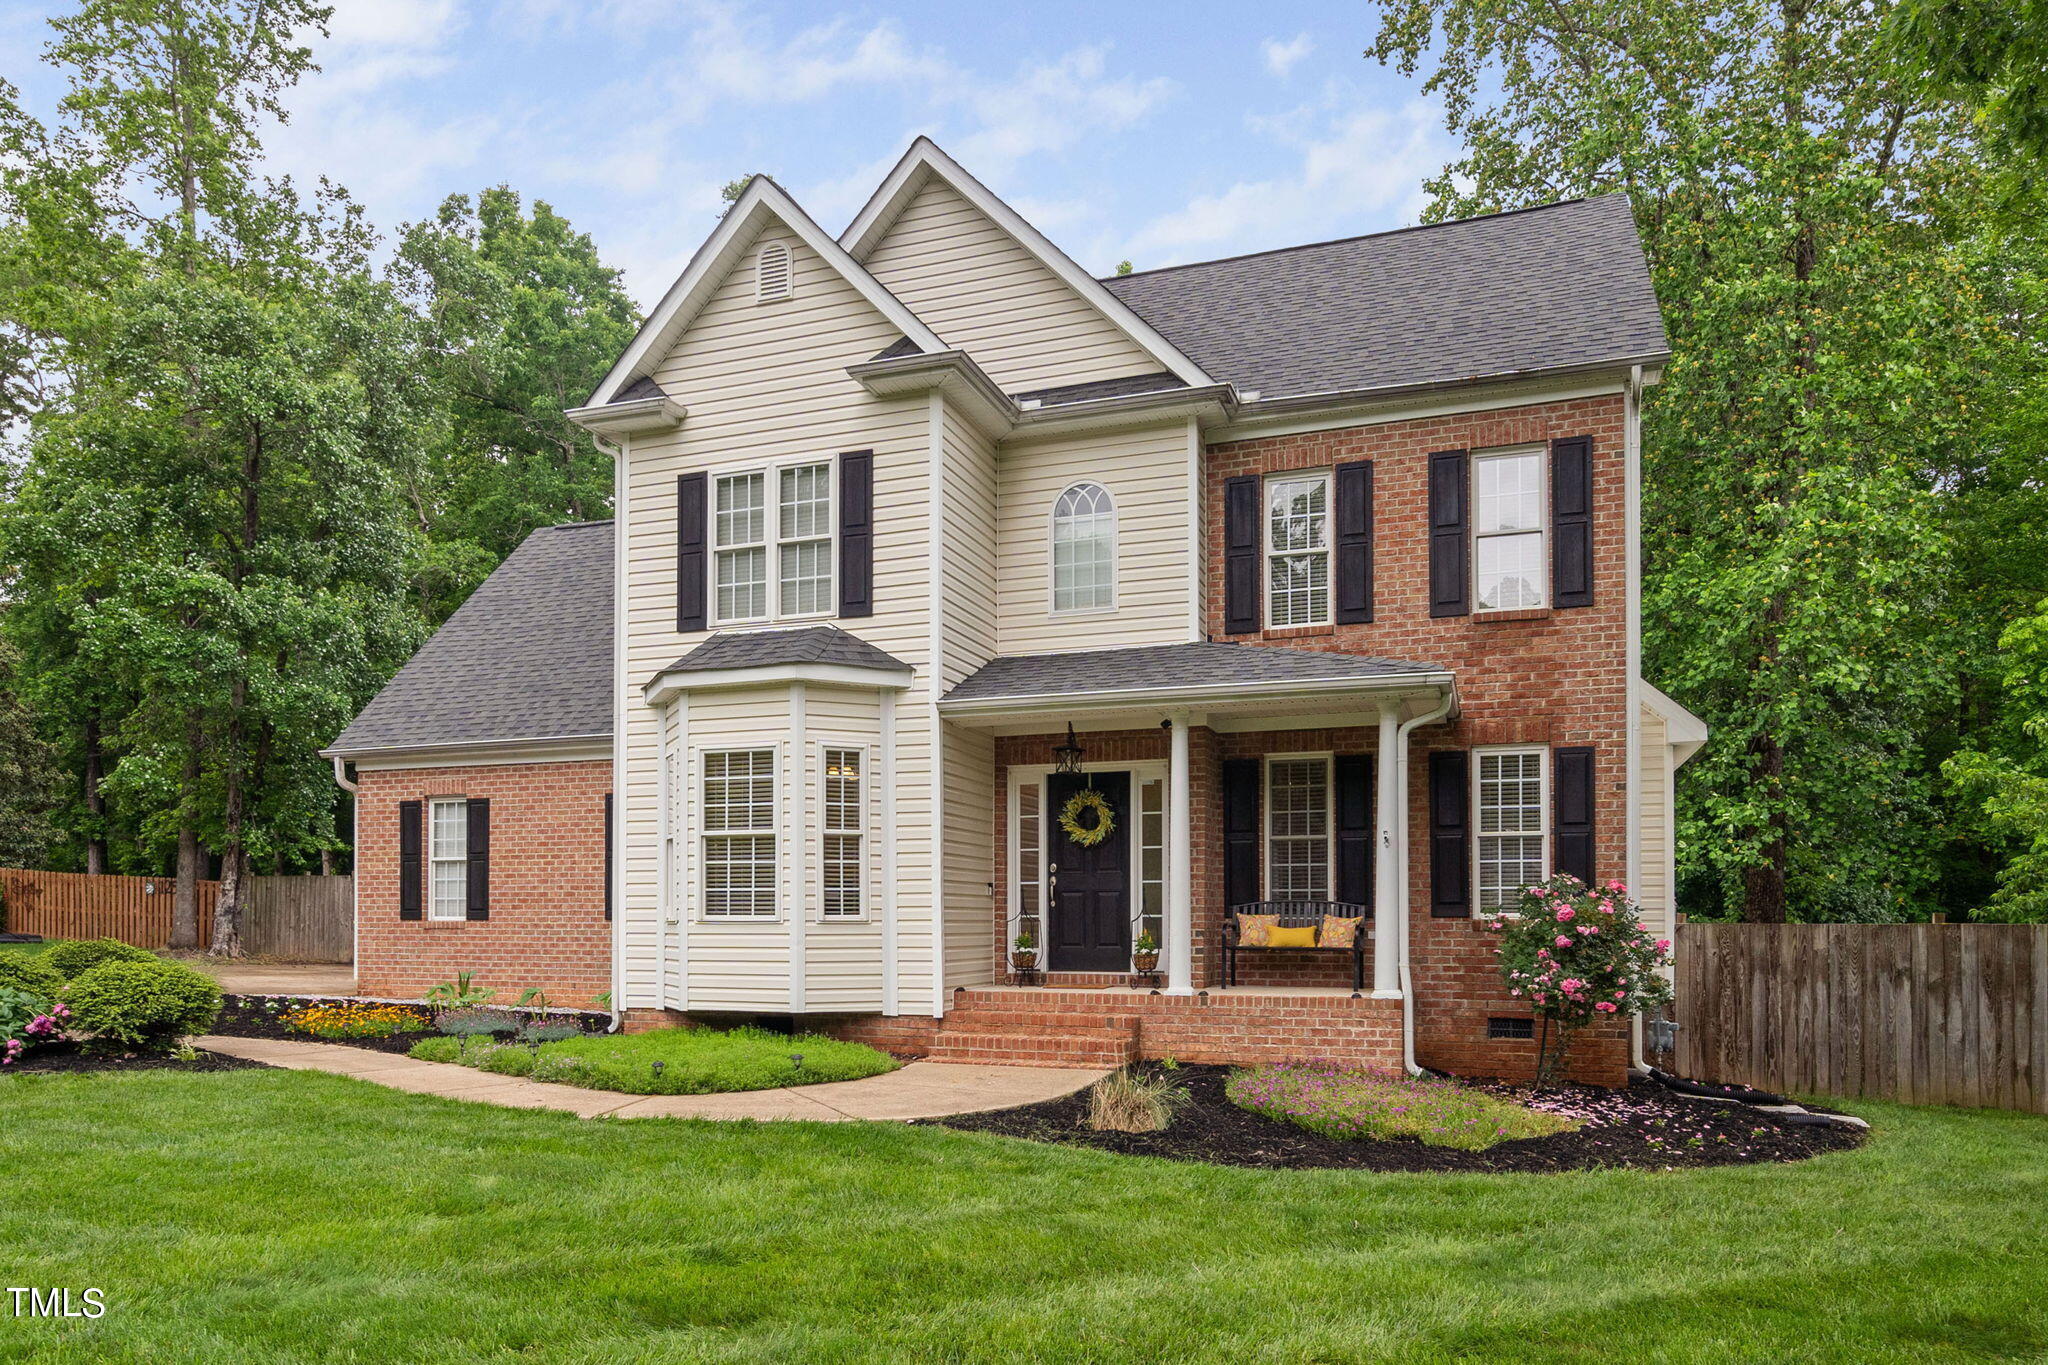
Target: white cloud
(1050, 106)
(392, 23)
(1355, 168)
(1281, 57)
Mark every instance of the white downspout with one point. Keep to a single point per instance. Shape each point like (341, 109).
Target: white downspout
(1408, 976)
(355, 871)
(1632, 451)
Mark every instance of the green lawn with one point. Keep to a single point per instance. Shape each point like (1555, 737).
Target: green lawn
(258, 1216)
(671, 1061)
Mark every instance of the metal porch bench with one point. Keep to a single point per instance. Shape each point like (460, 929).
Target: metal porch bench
(1295, 915)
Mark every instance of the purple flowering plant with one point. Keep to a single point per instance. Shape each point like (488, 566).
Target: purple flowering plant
(1353, 1104)
(1579, 955)
(26, 1021)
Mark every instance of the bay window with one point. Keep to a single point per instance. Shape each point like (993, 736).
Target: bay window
(844, 828)
(739, 834)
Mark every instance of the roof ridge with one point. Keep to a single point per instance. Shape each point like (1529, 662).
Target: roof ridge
(1367, 236)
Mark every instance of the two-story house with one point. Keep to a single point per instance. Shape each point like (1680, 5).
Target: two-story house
(955, 596)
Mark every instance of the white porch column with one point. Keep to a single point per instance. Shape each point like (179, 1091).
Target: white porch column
(1386, 956)
(1180, 866)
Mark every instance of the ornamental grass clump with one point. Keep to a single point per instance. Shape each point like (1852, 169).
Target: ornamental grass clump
(1355, 1105)
(1130, 1101)
(1579, 956)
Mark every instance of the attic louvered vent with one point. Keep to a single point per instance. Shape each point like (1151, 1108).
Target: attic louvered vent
(772, 281)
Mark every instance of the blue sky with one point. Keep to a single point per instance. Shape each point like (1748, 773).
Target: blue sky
(1157, 133)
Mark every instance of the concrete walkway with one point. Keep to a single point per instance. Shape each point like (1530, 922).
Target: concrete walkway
(277, 978)
(921, 1090)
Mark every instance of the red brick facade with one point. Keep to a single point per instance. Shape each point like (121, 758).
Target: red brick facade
(547, 926)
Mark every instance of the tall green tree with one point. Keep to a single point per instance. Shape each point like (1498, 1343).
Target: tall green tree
(28, 777)
(1805, 205)
(523, 320)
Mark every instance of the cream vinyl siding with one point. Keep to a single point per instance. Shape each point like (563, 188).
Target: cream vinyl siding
(970, 856)
(982, 292)
(969, 587)
(1146, 473)
(1654, 823)
(764, 383)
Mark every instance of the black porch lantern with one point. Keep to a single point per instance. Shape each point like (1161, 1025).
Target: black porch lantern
(1069, 755)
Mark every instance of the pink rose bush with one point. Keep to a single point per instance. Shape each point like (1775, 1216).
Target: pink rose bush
(1579, 954)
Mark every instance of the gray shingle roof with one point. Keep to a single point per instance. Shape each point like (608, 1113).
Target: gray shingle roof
(528, 656)
(1103, 388)
(1542, 288)
(643, 387)
(1162, 666)
(770, 648)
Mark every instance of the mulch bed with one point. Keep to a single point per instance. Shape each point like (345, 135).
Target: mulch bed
(253, 1016)
(73, 1057)
(1645, 1127)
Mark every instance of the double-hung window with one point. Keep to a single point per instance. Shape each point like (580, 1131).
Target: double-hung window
(844, 806)
(1298, 550)
(448, 858)
(1298, 829)
(1507, 535)
(1512, 823)
(739, 834)
(772, 562)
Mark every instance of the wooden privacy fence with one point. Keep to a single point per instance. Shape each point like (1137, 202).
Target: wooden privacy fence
(308, 918)
(1924, 1013)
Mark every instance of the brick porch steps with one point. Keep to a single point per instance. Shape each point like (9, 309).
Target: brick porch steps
(1000, 1029)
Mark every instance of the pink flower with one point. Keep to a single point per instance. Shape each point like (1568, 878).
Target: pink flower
(1605, 1007)
(1663, 945)
(1617, 888)
(1563, 941)
(1621, 995)
(1516, 990)
(1567, 915)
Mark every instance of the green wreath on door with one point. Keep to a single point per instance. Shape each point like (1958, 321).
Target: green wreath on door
(1093, 804)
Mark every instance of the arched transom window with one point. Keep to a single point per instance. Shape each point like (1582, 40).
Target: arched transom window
(1084, 549)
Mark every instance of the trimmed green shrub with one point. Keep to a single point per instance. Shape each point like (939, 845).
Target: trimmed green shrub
(437, 1050)
(147, 1005)
(71, 958)
(28, 972)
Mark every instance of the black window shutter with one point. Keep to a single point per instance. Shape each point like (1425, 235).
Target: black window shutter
(409, 830)
(857, 533)
(1355, 833)
(1449, 534)
(1354, 543)
(607, 855)
(1572, 799)
(692, 528)
(1241, 555)
(1450, 864)
(479, 858)
(1571, 520)
(1240, 831)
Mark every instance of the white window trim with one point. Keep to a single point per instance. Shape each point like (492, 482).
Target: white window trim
(1543, 809)
(698, 776)
(771, 526)
(434, 859)
(1329, 760)
(865, 832)
(1052, 594)
(1267, 554)
(1542, 529)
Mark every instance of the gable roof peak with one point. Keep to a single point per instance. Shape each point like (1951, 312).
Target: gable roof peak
(924, 160)
(760, 201)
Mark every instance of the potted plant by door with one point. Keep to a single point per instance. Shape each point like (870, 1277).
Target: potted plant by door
(1024, 952)
(1145, 952)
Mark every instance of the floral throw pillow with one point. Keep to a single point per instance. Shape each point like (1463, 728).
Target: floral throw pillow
(1339, 931)
(1256, 931)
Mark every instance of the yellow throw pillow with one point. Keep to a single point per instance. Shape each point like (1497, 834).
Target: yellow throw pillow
(1339, 931)
(1253, 931)
(1304, 937)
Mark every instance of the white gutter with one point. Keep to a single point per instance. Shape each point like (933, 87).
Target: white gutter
(1407, 811)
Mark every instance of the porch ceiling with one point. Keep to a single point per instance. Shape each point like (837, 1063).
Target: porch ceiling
(1232, 687)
